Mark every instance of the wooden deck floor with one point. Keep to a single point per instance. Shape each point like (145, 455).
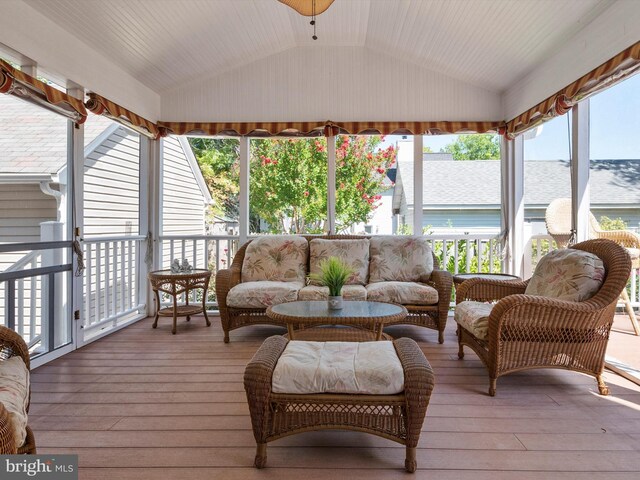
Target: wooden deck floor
(144, 404)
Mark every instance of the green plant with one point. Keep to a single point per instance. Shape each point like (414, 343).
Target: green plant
(333, 274)
(607, 223)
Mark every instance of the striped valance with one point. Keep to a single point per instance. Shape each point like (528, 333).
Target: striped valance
(18, 83)
(612, 71)
(101, 106)
(307, 129)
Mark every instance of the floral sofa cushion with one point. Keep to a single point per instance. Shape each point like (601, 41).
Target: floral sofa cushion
(354, 253)
(317, 292)
(474, 317)
(262, 294)
(14, 395)
(567, 274)
(400, 258)
(404, 293)
(278, 258)
(371, 368)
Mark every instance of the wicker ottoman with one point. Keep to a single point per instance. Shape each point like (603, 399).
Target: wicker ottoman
(396, 417)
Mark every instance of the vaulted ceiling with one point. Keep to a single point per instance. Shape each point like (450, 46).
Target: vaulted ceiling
(254, 60)
(490, 44)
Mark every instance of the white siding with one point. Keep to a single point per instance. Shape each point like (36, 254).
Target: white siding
(182, 200)
(111, 186)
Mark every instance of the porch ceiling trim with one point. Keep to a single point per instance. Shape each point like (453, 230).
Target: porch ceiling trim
(18, 83)
(614, 70)
(102, 106)
(328, 128)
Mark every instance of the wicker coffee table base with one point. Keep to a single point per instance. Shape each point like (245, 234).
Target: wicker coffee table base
(395, 417)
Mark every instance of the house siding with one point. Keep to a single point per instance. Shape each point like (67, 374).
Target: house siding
(111, 186)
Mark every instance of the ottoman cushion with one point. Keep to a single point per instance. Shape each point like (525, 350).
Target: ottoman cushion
(338, 367)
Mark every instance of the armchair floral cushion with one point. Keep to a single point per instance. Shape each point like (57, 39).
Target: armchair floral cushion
(355, 253)
(400, 258)
(14, 395)
(277, 258)
(573, 275)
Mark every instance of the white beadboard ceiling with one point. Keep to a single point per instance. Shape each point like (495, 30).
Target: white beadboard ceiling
(254, 60)
(163, 43)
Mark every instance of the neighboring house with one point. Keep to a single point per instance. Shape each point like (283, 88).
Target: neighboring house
(33, 179)
(465, 195)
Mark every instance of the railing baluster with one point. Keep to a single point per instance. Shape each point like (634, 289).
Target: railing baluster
(137, 244)
(10, 312)
(33, 302)
(479, 252)
(20, 312)
(114, 286)
(51, 301)
(491, 244)
(122, 275)
(194, 248)
(171, 252)
(456, 247)
(131, 285)
(98, 281)
(87, 282)
(107, 278)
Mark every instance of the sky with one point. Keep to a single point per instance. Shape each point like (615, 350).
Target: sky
(615, 128)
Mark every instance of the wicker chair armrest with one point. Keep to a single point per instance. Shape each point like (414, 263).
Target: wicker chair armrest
(418, 385)
(488, 290)
(257, 383)
(532, 315)
(7, 438)
(223, 285)
(442, 281)
(12, 344)
(621, 237)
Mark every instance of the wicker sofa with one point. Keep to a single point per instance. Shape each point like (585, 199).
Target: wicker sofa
(12, 345)
(431, 314)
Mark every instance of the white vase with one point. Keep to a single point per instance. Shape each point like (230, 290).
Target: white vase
(335, 303)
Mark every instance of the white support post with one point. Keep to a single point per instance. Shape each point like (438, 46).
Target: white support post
(75, 214)
(144, 219)
(580, 200)
(244, 190)
(154, 217)
(331, 184)
(513, 199)
(417, 184)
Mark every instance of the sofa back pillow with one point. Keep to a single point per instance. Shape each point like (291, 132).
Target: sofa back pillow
(279, 258)
(567, 274)
(400, 258)
(355, 253)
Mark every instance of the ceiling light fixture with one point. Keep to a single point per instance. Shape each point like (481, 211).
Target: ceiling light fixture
(309, 8)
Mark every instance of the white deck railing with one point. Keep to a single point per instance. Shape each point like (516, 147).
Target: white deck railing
(111, 288)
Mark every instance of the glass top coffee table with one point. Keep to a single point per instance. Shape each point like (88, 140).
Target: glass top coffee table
(308, 320)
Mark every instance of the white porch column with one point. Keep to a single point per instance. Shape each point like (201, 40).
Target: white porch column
(580, 200)
(243, 200)
(417, 184)
(145, 209)
(331, 184)
(513, 204)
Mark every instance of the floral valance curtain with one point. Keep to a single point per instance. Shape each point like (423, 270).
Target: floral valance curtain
(621, 66)
(18, 83)
(328, 128)
(102, 106)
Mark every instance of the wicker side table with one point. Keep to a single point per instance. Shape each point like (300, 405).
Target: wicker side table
(175, 284)
(396, 417)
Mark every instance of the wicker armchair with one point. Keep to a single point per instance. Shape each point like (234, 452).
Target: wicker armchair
(12, 344)
(429, 316)
(527, 331)
(558, 221)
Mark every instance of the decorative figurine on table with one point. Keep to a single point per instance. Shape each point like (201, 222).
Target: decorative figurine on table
(176, 267)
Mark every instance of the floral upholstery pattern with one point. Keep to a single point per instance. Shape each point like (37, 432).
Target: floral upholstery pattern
(262, 294)
(355, 253)
(474, 317)
(404, 293)
(572, 275)
(400, 258)
(317, 292)
(14, 395)
(338, 367)
(278, 258)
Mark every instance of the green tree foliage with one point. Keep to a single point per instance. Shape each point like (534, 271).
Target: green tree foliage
(288, 181)
(607, 223)
(474, 147)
